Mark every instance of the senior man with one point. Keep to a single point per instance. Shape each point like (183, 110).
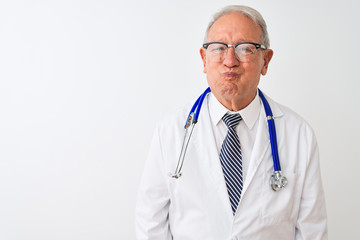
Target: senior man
(224, 191)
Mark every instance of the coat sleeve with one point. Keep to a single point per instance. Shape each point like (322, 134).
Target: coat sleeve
(152, 208)
(312, 219)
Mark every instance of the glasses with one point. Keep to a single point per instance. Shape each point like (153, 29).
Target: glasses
(244, 52)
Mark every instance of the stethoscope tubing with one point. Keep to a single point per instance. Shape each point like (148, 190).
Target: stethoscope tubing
(277, 180)
(191, 120)
(272, 132)
(197, 106)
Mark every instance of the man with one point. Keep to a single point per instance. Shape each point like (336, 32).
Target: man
(224, 190)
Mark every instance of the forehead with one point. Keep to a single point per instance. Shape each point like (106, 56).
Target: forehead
(233, 28)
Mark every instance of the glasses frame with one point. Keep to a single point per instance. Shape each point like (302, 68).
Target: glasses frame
(257, 45)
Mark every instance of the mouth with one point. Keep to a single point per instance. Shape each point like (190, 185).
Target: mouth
(230, 74)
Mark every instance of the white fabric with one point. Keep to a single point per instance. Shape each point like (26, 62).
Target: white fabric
(246, 130)
(196, 206)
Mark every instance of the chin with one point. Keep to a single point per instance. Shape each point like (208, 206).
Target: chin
(230, 91)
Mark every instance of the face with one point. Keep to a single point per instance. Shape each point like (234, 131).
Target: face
(232, 82)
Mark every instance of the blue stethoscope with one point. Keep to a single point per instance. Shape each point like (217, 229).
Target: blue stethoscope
(277, 180)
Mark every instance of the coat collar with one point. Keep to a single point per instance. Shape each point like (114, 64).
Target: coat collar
(274, 107)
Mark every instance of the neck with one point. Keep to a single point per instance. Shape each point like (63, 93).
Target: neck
(236, 103)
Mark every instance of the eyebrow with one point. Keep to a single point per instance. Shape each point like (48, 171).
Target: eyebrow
(239, 41)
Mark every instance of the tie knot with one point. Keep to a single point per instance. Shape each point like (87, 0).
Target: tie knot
(231, 120)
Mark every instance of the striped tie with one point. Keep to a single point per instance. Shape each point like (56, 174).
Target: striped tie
(230, 158)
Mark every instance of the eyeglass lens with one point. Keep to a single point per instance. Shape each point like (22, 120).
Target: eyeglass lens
(244, 52)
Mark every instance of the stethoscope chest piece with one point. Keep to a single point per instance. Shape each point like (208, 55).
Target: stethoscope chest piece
(278, 181)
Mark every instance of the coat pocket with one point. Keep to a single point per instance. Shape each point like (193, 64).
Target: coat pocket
(280, 206)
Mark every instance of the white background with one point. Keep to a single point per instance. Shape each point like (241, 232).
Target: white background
(83, 83)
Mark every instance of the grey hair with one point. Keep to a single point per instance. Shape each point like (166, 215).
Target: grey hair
(249, 12)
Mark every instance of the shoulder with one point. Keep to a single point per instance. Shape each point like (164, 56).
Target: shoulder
(289, 118)
(295, 133)
(175, 120)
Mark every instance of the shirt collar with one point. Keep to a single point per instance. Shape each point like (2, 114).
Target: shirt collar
(249, 114)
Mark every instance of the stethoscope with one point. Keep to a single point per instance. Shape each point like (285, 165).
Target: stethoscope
(277, 180)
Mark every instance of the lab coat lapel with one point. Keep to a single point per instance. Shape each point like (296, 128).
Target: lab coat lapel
(262, 146)
(209, 155)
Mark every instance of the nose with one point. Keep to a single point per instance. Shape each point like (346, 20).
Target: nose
(230, 59)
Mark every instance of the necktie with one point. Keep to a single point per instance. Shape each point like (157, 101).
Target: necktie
(230, 158)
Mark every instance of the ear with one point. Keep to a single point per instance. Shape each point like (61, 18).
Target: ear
(203, 57)
(268, 53)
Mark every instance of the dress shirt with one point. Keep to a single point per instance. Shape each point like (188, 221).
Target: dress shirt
(246, 130)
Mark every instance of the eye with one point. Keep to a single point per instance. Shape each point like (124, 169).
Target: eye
(217, 48)
(246, 49)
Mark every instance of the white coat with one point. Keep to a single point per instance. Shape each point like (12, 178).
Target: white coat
(196, 206)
